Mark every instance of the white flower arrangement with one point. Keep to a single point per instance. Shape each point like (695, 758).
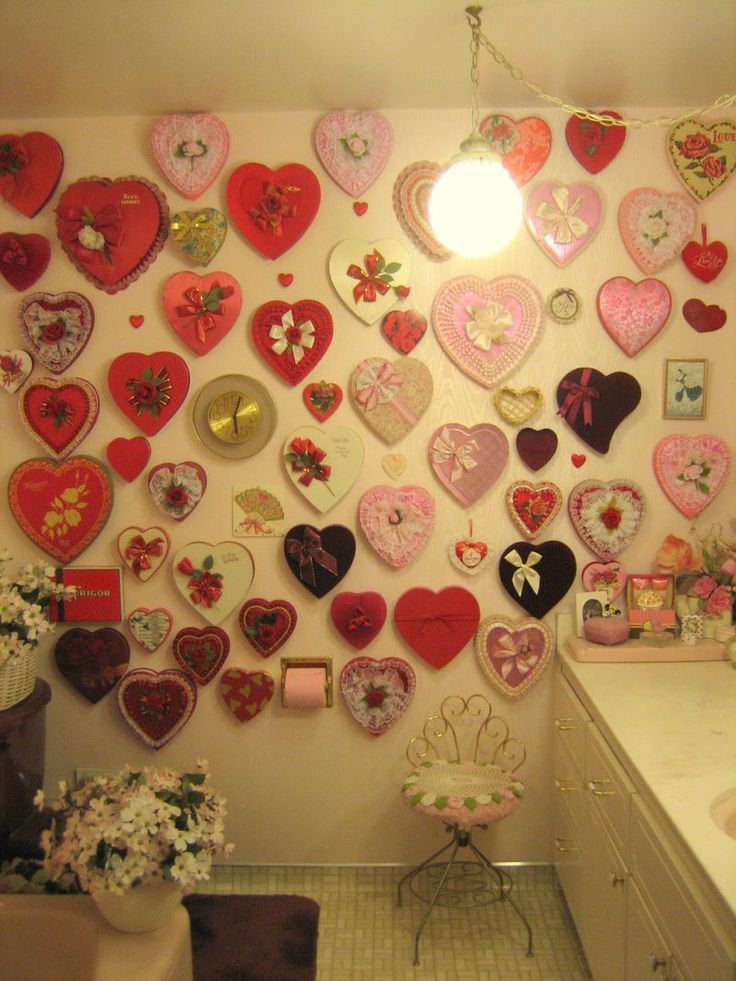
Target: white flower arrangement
(24, 602)
(135, 827)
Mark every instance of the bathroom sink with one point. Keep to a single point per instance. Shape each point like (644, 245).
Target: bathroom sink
(723, 812)
(64, 938)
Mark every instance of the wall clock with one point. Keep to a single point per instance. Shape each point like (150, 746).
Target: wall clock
(234, 416)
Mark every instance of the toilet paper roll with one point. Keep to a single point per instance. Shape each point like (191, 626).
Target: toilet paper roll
(305, 688)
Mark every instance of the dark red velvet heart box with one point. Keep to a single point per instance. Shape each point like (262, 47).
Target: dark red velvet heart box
(594, 404)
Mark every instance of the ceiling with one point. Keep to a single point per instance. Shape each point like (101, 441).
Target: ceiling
(131, 57)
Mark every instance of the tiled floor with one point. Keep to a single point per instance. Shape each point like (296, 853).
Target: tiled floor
(364, 937)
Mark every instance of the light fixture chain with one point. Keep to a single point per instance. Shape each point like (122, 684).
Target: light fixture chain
(722, 102)
(474, 75)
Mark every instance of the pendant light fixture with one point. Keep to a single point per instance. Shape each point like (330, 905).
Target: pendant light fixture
(474, 208)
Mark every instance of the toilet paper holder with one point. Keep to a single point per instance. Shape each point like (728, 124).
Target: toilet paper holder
(298, 663)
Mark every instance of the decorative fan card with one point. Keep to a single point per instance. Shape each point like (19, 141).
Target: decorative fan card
(323, 464)
(56, 327)
(190, 150)
(258, 512)
(467, 462)
(353, 147)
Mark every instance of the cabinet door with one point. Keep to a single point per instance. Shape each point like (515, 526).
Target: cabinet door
(606, 884)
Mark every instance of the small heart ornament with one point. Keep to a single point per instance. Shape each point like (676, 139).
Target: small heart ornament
(156, 704)
(292, 338)
(703, 318)
(437, 625)
(594, 404)
(358, 617)
(369, 277)
(322, 399)
(606, 516)
(213, 578)
(397, 521)
(143, 550)
(703, 155)
(354, 148)
(267, 624)
(148, 388)
(177, 488)
(538, 576)
(377, 692)
(128, 457)
(199, 235)
(468, 461)
(705, 259)
(150, 628)
(201, 652)
(470, 555)
(655, 227)
(93, 661)
(533, 506)
(487, 327)
(59, 413)
(633, 314)
(62, 507)
(32, 166)
(513, 653)
(536, 447)
(563, 218)
(403, 329)
(323, 464)
(691, 470)
(246, 693)
(190, 150)
(112, 230)
(202, 309)
(517, 405)
(523, 144)
(412, 189)
(273, 208)
(391, 396)
(56, 327)
(23, 259)
(609, 576)
(394, 465)
(319, 558)
(15, 369)
(594, 145)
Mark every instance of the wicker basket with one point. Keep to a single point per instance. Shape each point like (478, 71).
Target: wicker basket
(17, 680)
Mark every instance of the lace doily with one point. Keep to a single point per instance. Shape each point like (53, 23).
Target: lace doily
(463, 793)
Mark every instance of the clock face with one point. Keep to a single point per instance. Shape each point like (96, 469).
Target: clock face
(233, 417)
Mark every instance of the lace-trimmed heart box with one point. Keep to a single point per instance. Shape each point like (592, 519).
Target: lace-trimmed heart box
(56, 327)
(377, 692)
(156, 704)
(513, 653)
(397, 521)
(354, 148)
(691, 470)
(606, 516)
(190, 150)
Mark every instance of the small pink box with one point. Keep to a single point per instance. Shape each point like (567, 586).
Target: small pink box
(606, 630)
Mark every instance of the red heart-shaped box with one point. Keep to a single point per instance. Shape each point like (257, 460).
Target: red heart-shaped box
(93, 661)
(59, 413)
(322, 399)
(437, 625)
(148, 388)
(592, 144)
(33, 165)
(202, 309)
(112, 230)
(703, 317)
(273, 208)
(23, 258)
(267, 624)
(201, 653)
(358, 617)
(246, 693)
(128, 457)
(57, 327)
(292, 337)
(156, 704)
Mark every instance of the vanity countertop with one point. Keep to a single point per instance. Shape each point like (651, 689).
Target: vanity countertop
(673, 726)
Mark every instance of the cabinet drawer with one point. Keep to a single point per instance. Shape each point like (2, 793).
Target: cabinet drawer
(700, 948)
(570, 864)
(570, 722)
(609, 787)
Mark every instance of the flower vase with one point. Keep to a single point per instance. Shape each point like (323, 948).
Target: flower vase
(140, 909)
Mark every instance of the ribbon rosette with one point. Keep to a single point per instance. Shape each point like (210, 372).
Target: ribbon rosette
(460, 457)
(273, 207)
(203, 307)
(374, 279)
(291, 338)
(515, 651)
(487, 325)
(309, 551)
(525, 571)
(139, 551)
(78, 225)
(377, 385)
(578, 393)
(561, 217)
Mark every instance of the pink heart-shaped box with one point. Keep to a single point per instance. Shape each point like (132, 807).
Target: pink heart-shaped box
(190, 150)
(397, 521)
(633, 313)
(513, 653)
(377, 692)
(655, 227)
(563, 218)
(691, 470)
(202, 309)
(468, 461)
(353, 147)
(606, 516)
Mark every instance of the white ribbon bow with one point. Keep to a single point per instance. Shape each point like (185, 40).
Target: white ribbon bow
(561, 218)
(521, 657)
(486, 325)
(524, 571)
(444, 450)
(279, 334)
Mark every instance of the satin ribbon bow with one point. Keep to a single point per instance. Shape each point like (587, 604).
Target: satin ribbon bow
(369, 284)
(377, 385)
(139, 551)
(561, 218)
(487, 325)
(461, 457)
(521, 657)
(524, 571)
(578, 393)
(183, 225)
(309, 551)
(108, 221)
(252, 526)
(290, 337)
(204, 319)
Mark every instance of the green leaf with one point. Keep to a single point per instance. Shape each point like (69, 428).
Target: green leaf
(208, 563)
(392, 267)
(148, 373)
(415, 798)
(496, 798)
(471, 803)
(441, 803)
(702, 487)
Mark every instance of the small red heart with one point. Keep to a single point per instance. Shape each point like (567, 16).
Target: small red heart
(578, 459)
(322, 399)
(705, 260)
(128, 457)
(702, 318)
(360, 207)
(136, 320)
(286, 279)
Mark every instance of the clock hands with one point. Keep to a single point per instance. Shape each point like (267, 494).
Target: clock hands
(235, 414)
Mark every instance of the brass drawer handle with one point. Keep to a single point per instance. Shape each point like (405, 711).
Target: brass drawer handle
(617, 879)
(657, 963)
(565, 725)
(571, 847)
(564, 786)
(593, 788)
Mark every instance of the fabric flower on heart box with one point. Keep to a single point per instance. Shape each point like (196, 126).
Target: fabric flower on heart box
(205, 586)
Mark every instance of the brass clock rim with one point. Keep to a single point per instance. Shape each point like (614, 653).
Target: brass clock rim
(253, 389)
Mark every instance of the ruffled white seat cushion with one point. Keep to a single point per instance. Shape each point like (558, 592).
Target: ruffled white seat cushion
(466, 794)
